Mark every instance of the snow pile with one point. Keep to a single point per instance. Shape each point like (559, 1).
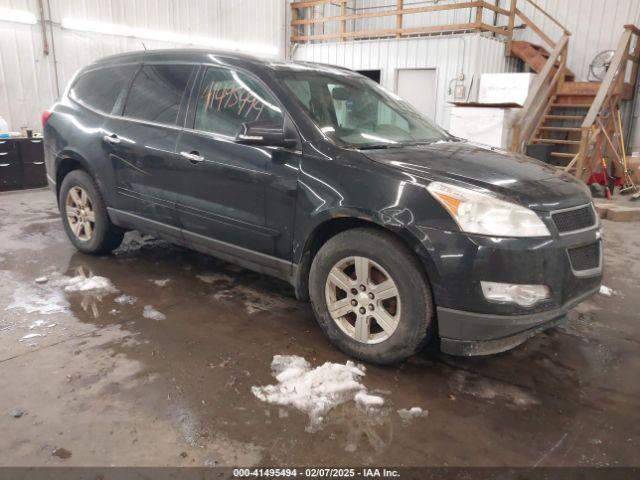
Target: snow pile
(41, 323)
(31, 335)
(125, 300)
(408, 414)
(43, 301)
(161, 283)
(368, 401)
(46, 295)
(606, 291)
(153, 314)
(315, 391)
(82, 283)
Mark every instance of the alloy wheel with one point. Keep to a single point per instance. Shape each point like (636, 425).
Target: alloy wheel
(80, 214)
(363, 299)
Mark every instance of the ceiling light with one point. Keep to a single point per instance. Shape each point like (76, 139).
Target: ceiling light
(166, 36)
(97, 27)
(18, 16)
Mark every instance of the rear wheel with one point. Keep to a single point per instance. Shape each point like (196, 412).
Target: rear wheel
(84, 215)
(370, 296)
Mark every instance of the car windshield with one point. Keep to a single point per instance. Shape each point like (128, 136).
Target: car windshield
(356, 112)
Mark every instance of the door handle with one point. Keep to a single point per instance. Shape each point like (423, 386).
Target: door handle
(193, 157)
(38, 163)
(112, 139)
(4, 164)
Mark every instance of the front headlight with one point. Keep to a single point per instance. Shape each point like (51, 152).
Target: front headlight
(484, 214)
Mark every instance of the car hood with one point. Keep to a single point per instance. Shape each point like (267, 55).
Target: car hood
(515, 176)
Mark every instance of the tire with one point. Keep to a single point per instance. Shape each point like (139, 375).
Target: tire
(101, 236)
(407, 316)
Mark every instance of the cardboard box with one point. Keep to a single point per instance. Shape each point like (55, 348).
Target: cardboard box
(488, 125)
(633, 164)
(505, 87)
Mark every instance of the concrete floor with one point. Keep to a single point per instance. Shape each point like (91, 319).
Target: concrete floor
(106, 386)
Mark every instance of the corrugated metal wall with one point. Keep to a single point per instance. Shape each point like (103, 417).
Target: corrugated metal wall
(27, 77)
(595, 25)
(28, 83)
(471, 55)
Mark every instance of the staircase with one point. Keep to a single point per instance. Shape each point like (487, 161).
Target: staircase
(534, 56)
(560, 125)
(574, 118)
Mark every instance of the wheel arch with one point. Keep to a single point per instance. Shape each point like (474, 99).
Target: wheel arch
(329, 227)
(67, 162)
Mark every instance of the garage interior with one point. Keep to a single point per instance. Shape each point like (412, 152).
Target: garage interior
(161, 366)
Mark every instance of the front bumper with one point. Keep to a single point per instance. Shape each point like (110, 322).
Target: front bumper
(468, 334)
(457, 263)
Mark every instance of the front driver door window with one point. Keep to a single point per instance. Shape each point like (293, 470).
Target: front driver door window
(228, 99)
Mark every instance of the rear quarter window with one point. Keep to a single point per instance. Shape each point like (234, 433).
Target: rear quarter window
(156, 93)
(103, 89)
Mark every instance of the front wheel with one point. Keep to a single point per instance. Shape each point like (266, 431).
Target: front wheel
(84, 215)
(370, 296)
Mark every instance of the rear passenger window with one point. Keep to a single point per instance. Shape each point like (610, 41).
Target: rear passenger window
(103, 89)
(156, 93)
(229, 98)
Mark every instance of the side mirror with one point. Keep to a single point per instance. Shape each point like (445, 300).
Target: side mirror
(264, 133)
(341, 94)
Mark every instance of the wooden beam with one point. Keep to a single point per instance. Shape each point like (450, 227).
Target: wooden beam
(633, 28)
(389, 32)
(343, 13)
(309, 3)
(512, 19)
(608, 83)
(390, 13)
(479, 12)
(582, 152)
(535, 28)
(399, 16)
(492, 28)
(494, 8)
(548, 15)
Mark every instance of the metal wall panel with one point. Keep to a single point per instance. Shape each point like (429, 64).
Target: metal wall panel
(450, 55)
(27, 76)
(596, 25)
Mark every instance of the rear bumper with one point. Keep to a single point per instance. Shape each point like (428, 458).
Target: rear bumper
(469, 334)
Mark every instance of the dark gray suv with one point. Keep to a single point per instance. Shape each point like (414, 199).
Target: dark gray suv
(396, 231)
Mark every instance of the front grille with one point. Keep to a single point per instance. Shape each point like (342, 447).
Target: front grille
(585, 258)
(575, 219)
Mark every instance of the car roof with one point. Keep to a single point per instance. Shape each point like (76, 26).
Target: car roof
(193, 55)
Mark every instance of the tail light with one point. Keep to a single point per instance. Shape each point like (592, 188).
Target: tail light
(46, 115)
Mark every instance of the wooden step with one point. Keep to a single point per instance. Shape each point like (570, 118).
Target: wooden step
(571, 105)
(579, 88)
(564, 117)
(556, 141)
(560, 129)
(563, 154)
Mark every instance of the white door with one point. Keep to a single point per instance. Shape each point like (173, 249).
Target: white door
(418, 87)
